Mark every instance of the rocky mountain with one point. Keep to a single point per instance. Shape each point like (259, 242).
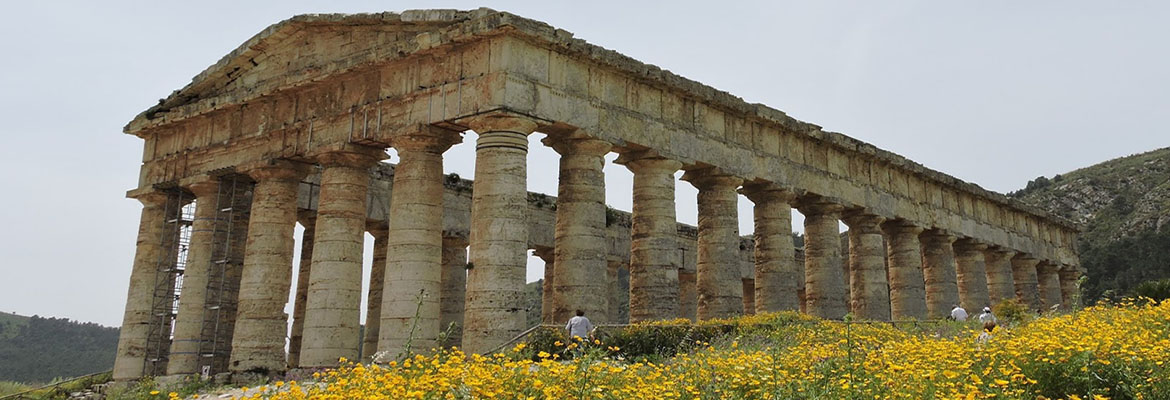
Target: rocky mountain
(1124, 206)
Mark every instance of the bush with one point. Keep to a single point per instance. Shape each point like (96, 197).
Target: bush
(1011, 311)
(1153, 290)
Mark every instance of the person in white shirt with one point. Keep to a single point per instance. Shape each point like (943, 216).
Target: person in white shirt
(958, 314)
(988, 319)
(579, 326)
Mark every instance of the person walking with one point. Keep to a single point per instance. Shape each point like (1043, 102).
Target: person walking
(988, 319)
(579, 326)
(958, 313)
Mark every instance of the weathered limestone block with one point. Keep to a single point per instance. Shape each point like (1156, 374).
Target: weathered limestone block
(453, 297)
(720, 288)
(907, 284)
(1025, 278)
(1047, 273)
(938, 267)
(869, 286)
(688, 294)
(130, 360)
(184, 354)
(546, 289)
(414, 258)
(824, 282)
(1069, 289)
(381, 232)
(1000, 285)
(261, 323)
(332, 312)
(495, 284)
(749, 296)
(612, 290)
(580, 240)
(971, 275)
(654, 275)
(776, 272)
(308, 220)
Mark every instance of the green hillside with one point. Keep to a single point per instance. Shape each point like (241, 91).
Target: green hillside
(37, 350)
(1124, 205)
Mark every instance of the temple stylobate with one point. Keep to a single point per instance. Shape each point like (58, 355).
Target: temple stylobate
(293, 126)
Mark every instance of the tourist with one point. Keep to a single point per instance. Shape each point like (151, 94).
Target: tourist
(987, 319)
(579, 326)
(958, 313)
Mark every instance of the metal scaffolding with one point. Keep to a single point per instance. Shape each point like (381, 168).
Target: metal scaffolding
(233, 206)
(175, 237)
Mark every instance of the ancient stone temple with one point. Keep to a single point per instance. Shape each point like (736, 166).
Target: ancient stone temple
(293, 126)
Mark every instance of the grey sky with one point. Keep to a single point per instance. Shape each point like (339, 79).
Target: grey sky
(994, 93)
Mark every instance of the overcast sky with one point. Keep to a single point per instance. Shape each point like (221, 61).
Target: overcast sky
(992, 92)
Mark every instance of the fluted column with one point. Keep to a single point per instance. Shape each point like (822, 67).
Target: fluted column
(580, 242)
(868, 284)
(499, 232)
(1049, 282)
(1069, 292)
(414, 251)
(130, 360)
(776, 272)
(546, 286)
(308, 220)
(381, 232)
(719, 282)
(1026, 281)
(971, 269)
(1000, 285)
(938, 267)
(453, 298)
(184, 354)
(261, 323)
(654, 277)
(824, 281)
(907, 284)
(332, 312)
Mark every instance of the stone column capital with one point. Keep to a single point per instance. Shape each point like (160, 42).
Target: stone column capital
(544, 253)
(276, 170)
(937, 237)
(348, 155)
(427, 138)
(307, 217)
(377, 228)
(1047, 267)
(900, 227)
(1001, 251)
(149, 197)
(969, 245)
(1069, 272)
(817, 205)
(459, 241)
(578, 145)
(863, 222)
(201, 185)
(647, 161)
(712, 179)
(502, 122)
(760, 192)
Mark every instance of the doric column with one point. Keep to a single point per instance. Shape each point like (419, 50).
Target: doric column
(184, 354)
(1026, 281)
(776, 272)
(1069, 292)
(414, 251)
(971, 272)
(907, 284)
(1000, 285)
(580, 243)
(688, 295)
(868, 285)
(454, 284)
(938, 267)
(719, 285)
(261, 323)
(654, 277)
(1049, 282)
(499, 232)
(546, 286)
(824, 282)
(381, 232)
(131, 354)
(308, 220)
(332, 312)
